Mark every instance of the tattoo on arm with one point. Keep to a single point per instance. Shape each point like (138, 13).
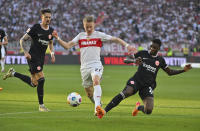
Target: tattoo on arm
(25, 42)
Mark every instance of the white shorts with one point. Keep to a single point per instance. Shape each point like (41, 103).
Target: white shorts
(88, 74)
(3, 52)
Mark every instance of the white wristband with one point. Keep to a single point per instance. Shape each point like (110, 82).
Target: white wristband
(52, 53)
(126, 45)
(58, 38)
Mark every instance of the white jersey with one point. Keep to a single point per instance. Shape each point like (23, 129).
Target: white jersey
(90, 47)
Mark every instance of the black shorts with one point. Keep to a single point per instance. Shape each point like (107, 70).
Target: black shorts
(35, 66)
(144, 91)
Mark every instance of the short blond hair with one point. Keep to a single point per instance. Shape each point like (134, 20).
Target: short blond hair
(88, 19)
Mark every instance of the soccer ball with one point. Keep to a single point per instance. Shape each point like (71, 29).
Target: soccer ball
(74, 99)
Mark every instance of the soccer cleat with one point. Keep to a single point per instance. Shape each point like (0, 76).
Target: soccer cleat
(9, 73)
(100, 112)
(135, 111)
(42, 108)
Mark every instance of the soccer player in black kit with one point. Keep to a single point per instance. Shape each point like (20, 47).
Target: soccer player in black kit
(144, 80)
(40, 36)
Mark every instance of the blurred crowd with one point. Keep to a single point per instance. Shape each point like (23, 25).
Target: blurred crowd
(176, 22)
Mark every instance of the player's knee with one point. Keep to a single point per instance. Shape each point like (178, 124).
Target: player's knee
(148, 111)
(96, 82)
(34, 82)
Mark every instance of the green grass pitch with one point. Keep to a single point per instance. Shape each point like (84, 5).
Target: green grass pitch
(177, 102)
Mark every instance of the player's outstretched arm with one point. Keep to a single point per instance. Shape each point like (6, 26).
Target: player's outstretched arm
(123, 43)
(175, 72)
(132, 59)
(64, 44)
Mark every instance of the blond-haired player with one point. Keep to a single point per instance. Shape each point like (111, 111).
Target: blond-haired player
(90, 43)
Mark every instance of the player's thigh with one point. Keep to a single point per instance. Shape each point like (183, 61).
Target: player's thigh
(39, 75)
(3, 52)
(35, 66)
(34, 79)
(131, 87)
(86, 77)
(145, 92)
(96, 73)
(148, 104)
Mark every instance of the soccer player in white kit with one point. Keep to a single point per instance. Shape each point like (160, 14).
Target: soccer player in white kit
(90, 43)
(3, 43)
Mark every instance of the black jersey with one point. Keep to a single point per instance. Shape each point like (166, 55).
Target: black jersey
(147, 71)
(40, 41)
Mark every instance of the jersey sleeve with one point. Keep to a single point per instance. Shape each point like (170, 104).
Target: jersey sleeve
(104, 37)
(31, 31)
(138, 54)
(163, 63)
(76, 39)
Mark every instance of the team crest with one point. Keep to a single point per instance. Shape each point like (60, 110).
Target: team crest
(38, 68)
(157, 63)
(132, 82)
(50, 36)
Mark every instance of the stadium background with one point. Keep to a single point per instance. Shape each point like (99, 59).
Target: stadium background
(177, 101)
(176, 23)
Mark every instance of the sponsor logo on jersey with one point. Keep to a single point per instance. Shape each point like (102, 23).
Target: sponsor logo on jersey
(44, 42)
(132, 82)
(38, 68)
(149, 67)
(90, 42)
(157, 63)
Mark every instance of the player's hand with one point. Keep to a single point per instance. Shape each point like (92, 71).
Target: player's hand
(187, 67)
(55, 34)
(132, 49)
(138, 61)
(27, 55)
(53, 59)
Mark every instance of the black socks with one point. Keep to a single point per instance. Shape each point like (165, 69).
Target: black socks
(115, 101)
(24, 78)
(40, 90)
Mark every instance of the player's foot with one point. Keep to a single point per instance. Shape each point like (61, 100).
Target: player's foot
(9, 73)
(100, 112)
(135, 111)
(42, 108)
(3, 70)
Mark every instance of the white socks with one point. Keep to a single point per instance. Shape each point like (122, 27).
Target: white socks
(97, 95)
(2, 65)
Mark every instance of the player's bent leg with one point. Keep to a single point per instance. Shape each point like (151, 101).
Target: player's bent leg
(148, 105)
